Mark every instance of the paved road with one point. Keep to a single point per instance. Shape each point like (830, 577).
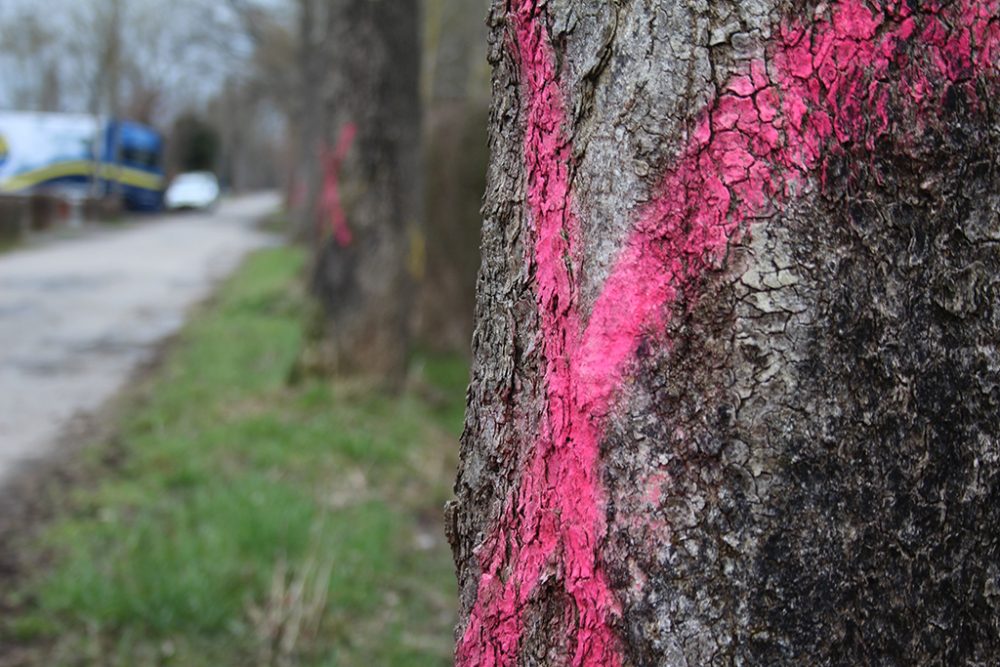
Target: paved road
(77, 317)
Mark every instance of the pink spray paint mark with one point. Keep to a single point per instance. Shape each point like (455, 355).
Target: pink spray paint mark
(330, 203)
(754, 147)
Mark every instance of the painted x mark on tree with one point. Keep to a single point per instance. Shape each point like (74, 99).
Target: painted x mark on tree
(837, 82)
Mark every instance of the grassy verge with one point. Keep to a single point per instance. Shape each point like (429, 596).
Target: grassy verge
(247, 522)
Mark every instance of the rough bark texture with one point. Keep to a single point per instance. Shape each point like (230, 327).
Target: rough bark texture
(372, 193)
(736, 383)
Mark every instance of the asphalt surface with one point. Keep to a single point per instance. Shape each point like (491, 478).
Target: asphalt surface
(77, 317)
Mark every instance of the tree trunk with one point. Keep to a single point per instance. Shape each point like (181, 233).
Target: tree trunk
(314, 64)
(456, 92)
(371, 205)
(456, 157)
(736, 382)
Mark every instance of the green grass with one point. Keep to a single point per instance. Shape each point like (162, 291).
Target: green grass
(250, 522)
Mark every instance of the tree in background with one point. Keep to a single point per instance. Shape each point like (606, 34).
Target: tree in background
(136, 60)
(252, 136)
(736, 379)
(195, 144)
(295, 66)
(152, 64)
(456, 157)
(297, 63)
(267, 77)
(313, 62)
(371, 201)
(258, 112)
(456, 97)
(30, 45)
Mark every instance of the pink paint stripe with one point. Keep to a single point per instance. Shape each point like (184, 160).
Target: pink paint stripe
(759, 141)
(565, 458)
(330, 203)
(761, 137)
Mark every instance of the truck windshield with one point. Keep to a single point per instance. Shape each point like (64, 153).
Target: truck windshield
(140, 158)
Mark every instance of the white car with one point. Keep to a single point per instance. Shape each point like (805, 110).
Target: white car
(192, 190)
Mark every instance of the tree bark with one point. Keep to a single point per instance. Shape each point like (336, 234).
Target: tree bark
(736, 382)
(362, 274)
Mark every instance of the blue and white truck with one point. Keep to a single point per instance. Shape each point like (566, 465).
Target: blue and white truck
(79, 155)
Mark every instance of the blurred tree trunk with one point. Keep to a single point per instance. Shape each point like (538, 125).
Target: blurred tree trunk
(736, 376)
(456, 93)
(364, 272)
(315, 67)
(456, 159)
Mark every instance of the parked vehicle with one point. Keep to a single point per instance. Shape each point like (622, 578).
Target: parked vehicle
(193, 190)
(81, 156)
